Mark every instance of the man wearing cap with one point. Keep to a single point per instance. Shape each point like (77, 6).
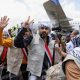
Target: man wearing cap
(40, 48)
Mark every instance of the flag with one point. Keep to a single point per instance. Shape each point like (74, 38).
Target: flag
(55, 1)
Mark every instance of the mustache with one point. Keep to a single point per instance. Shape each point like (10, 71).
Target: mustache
(43, 33)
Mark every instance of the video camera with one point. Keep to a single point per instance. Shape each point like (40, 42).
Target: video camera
(58, 29)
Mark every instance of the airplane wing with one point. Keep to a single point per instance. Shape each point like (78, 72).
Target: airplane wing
(57, 15)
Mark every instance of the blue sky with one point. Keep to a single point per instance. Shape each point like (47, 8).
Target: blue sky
(19, 10)
(77, 4)
(71, 8)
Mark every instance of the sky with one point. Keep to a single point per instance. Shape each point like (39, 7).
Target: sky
(71, 8)
(19, 10)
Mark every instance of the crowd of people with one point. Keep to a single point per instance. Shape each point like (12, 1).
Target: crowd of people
(31, 54)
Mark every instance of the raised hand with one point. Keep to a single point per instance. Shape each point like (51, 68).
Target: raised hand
(3, 22)
(27, 23)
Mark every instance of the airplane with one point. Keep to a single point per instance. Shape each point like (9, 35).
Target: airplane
(57, 16)
(75, 24)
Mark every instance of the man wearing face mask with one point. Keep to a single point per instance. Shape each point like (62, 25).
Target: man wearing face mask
(40, 48)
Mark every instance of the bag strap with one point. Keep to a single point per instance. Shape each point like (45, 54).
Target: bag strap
(53, 55)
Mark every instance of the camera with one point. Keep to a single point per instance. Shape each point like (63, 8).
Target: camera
(53, 35)
(58, 29)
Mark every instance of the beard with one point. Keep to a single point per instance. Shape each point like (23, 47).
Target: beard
(43, 35)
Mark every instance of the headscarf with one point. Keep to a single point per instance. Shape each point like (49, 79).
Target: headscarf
(44, 24)
(76, 41)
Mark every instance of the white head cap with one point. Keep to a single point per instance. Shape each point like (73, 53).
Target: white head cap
(44, 24)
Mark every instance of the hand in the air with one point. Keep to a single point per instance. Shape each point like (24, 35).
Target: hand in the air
(27, 23)
(3, 22)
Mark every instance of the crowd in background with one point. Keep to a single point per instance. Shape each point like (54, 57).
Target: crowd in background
(27, 55)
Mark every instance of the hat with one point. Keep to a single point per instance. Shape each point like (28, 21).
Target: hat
(44, 24)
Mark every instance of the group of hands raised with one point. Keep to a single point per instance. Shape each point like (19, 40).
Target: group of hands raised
(4, 22)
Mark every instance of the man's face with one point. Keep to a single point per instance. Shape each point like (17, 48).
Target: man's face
(26, 34)
(72, 35)
(43, 31)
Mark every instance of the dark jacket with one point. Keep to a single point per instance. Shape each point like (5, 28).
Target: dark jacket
(19, 40)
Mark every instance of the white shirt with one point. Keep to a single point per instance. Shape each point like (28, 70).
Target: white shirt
(69, 46)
